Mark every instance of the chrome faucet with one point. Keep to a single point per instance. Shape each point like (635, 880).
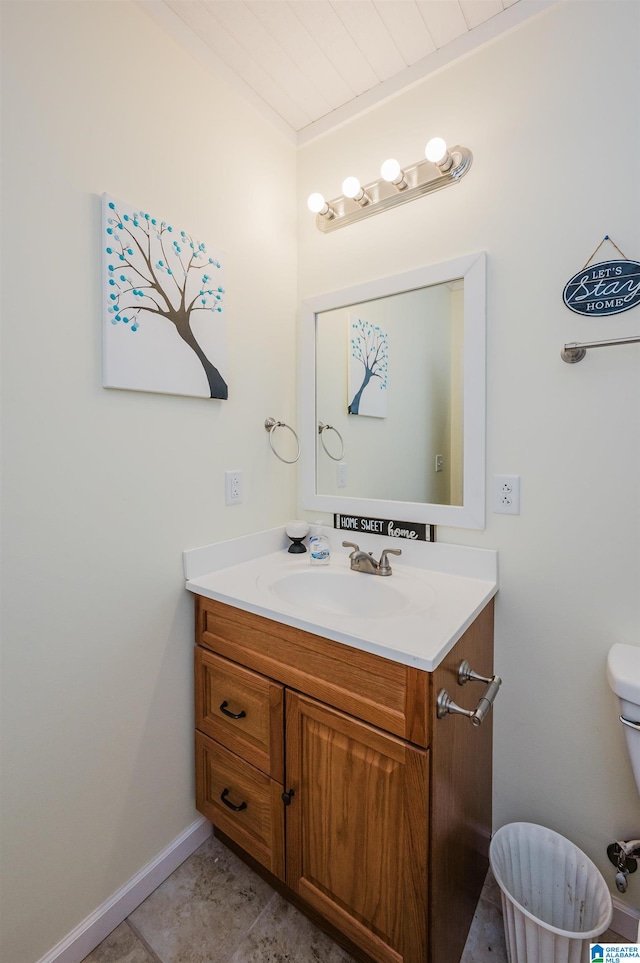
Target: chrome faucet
(365, 562)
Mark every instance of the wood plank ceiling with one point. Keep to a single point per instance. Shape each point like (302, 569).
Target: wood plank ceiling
(308, 64)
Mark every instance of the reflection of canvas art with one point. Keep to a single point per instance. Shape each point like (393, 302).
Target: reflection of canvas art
(368, 353)
(164, 323)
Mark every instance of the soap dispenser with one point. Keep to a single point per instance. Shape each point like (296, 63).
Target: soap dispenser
(320, 553)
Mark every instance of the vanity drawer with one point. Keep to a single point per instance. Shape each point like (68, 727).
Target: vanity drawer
(388, 694)
(242, 710)
(242, 802)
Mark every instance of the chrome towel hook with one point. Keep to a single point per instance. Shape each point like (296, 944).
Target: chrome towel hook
(270, 425)
(321, 429)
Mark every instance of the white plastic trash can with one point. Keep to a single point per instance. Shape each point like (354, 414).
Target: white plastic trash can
(554, 899)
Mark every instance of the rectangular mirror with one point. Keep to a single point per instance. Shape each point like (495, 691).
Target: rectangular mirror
(393, 396)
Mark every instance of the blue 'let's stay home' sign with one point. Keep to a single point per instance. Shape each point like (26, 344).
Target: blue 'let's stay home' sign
(609, 287)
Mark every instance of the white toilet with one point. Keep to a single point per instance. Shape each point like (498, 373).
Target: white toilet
(623, 675)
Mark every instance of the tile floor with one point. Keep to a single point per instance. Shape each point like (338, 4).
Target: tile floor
(214, 909)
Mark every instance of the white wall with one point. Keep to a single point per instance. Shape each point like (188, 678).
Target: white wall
(549, 112)
(104, 489)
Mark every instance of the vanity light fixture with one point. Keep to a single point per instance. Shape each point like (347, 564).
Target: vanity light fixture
(441, 167)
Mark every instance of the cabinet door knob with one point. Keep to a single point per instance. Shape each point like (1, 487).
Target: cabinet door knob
(286, 797)
(232, 715)
(229, 805)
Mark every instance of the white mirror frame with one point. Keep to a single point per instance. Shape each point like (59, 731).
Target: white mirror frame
(471, 514)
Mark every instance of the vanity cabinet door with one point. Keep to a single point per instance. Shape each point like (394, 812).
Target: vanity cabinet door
(356, 829)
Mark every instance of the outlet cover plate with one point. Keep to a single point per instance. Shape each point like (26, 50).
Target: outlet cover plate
(506, 494)
(233, 487)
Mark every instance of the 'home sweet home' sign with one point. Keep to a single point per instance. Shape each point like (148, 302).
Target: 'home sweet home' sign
(386, 526)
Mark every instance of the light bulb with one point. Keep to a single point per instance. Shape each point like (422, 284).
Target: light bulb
(390, 170)
(393, 174)
(436, 152)
(351, 187)
(317, 204)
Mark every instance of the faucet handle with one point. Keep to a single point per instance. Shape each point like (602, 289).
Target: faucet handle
(383, 564)
(352, 545)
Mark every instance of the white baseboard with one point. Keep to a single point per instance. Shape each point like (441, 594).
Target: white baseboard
(96, 927)
(625, 920)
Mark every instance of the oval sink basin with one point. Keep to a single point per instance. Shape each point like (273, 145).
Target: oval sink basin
(342, 593)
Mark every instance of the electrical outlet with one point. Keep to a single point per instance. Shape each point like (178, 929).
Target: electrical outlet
(233, 487)
(341, 474)
(506, 494)
(439, 462)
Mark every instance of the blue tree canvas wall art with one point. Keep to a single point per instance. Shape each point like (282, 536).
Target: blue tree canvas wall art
(368, 353)
(164, 318)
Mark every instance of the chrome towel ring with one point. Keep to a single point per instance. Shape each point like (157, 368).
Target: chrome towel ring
(270, 425)
(321, 429)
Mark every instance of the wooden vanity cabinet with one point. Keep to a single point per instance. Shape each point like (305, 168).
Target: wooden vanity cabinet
(326, 766)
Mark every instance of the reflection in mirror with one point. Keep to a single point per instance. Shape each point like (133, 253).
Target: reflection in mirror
(393, 396)
(389, 382)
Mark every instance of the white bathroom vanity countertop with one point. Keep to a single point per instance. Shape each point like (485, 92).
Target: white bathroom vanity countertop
(415, 616)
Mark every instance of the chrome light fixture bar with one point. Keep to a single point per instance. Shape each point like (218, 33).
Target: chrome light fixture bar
(441, 168)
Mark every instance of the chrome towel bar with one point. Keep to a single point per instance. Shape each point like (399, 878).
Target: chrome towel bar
(446, 705)
(574, 351)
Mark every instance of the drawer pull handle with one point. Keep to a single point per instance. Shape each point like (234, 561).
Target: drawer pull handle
(286, 797)
(232, 715)
(229, 805)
